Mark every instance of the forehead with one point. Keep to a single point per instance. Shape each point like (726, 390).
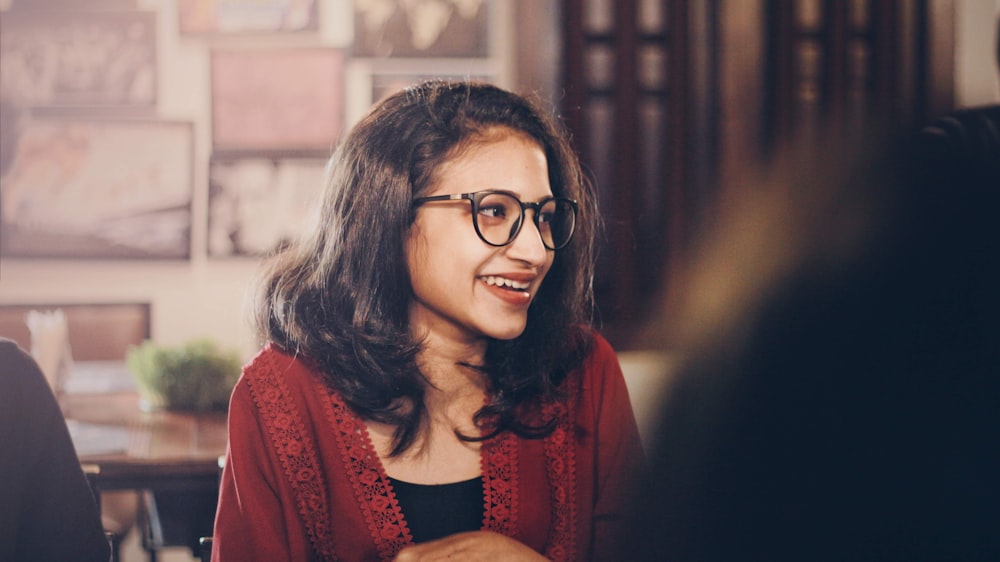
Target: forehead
(501, 158)
(498, 147)
(489, 136)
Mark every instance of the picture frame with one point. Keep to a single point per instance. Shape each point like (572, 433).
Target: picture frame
(443, 29)
(278, 101)
(260, 204)
(100, 58)
(99, 189)
(233, 17)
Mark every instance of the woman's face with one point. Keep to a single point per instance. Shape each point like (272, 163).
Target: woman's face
(465, 289)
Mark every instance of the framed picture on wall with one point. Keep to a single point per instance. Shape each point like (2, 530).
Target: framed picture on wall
(257, 205)
(210, 17)
(277, 101)
(401, 28)
(81, 188)
(51, 58)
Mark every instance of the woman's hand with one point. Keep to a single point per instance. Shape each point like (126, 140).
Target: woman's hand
(475, 546)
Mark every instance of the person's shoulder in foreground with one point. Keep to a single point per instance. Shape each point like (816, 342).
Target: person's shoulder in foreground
(843, 405)
(47, 509)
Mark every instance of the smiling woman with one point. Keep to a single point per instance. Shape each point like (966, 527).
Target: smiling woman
(457, 369)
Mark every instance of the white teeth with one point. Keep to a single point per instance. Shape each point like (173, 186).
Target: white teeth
(504, 282)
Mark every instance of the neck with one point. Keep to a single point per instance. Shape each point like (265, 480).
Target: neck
(452, 375)
(457, 389)
(444, 352)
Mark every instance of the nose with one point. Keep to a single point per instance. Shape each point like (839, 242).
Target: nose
(527, 246)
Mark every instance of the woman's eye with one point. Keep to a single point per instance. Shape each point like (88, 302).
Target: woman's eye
(493, 211)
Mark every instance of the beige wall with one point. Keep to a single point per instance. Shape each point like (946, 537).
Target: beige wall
(204, 297)
(977, 75)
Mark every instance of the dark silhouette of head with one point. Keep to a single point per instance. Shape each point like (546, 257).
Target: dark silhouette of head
(839, 394)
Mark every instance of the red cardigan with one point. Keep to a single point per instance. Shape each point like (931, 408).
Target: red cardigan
(302, 480)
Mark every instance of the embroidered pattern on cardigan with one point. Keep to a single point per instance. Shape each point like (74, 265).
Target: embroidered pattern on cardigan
(500, 485)
(560, 461)
(371, 486)
(296, 450)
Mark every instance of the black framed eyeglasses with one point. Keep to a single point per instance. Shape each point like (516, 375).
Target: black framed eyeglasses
(498, 216)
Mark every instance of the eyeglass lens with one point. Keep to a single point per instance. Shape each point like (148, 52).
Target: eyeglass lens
(499, 217)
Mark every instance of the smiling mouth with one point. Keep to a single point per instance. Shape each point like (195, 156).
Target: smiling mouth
(507, 284)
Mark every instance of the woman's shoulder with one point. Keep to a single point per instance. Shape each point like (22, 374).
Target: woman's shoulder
(598, 364)
(599, 350)
(275, 381)
(272, 364)
(597, 386)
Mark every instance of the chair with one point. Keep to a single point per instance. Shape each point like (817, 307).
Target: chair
(205, 543)
(205, 549)
(182, 514)
(176, 518)
(93, 474)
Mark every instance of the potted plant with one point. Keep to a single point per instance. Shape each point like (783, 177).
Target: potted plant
(196, 376)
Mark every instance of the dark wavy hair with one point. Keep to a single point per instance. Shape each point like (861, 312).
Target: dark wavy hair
(340, 297)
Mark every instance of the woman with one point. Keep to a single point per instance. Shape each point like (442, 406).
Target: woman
(429, 387)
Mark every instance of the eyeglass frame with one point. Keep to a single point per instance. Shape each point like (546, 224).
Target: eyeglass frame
(475, 197)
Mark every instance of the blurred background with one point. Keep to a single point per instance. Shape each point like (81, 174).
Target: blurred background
(153, 150)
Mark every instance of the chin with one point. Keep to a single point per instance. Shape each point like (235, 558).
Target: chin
(506, 333)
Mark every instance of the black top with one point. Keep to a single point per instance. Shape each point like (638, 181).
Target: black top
(433, 511)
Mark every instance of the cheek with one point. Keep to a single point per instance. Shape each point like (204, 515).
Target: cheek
(416, 254)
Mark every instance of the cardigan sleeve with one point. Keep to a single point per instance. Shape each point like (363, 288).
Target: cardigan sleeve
(618, 451)
(256, 517)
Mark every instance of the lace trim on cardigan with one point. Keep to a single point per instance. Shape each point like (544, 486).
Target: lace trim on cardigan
(499, 465)
(297, 452)
(560, 464)
(378, 503)
(371, 485)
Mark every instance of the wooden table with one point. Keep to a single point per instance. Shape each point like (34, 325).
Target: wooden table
(138, 449)
(171, 458)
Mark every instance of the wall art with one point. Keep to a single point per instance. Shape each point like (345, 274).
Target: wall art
(258, 205)
(432, 28)
(80, 188)
(51, 58)
(286, 100)
(208, 17)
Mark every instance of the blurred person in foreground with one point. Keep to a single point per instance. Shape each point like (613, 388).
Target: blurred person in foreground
(47, 510)
(840, 394)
